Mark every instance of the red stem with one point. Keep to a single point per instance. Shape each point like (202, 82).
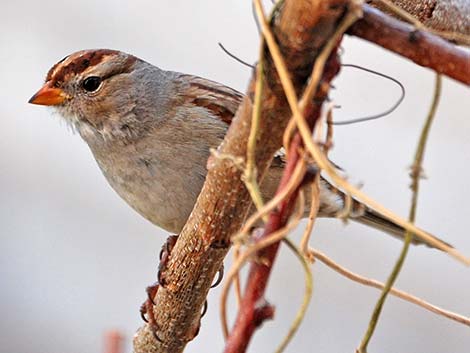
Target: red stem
(249, 317)
(253, 306)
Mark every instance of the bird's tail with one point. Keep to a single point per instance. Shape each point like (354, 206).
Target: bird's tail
(375, 220)
(333, 203)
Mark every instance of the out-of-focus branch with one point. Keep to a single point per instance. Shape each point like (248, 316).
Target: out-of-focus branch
(423, 48)
(113, 342)
(224, 200)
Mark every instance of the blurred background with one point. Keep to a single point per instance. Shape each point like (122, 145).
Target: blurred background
(75, 259)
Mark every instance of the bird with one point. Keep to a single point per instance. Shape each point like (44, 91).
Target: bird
(151, 132)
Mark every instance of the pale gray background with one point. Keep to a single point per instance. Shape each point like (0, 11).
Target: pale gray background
(75, 259)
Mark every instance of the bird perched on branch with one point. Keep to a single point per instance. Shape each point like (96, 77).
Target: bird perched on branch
(151, 132)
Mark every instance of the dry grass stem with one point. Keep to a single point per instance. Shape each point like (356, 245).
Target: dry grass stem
(250, 174)
(394, 291)
(306, 298)
(236, 279)
(312, 216)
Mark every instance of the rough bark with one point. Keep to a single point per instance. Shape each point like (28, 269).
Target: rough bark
(302, 29)
(441, 15)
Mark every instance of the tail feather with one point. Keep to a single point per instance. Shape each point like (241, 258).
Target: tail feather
(333, 204)
(375, 220)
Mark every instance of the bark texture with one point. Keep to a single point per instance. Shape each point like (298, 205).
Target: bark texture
(441, 15)
(423, 48)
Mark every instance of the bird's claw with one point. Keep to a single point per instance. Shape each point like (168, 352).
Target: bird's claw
(146, 309)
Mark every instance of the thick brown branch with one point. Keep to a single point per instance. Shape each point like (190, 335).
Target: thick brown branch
(423, 48)
(441, 15)
(224, 201)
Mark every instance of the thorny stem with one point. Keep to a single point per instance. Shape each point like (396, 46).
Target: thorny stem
(275, 230)
(415, 176)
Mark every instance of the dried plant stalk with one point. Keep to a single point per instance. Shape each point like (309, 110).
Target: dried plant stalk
(394, 291)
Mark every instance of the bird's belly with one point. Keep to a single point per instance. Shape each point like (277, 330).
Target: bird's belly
(154, 203)
(165, 204)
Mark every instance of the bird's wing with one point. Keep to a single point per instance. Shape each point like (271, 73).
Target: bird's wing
(221, 100)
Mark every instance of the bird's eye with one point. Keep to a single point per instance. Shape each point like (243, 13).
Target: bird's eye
(91, 84)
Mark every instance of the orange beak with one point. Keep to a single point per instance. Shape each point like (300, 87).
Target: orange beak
(49, 95)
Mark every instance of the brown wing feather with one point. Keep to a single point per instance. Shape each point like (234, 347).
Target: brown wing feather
(221, 100)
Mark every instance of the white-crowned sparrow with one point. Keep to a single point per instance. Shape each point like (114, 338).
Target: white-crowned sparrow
(151, 130)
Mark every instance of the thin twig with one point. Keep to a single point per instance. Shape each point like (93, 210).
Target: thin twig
(236, 280)
(250, 174)
(312, 216)
(381, 114)
(415, 175)
(394, 291)
(306, 299)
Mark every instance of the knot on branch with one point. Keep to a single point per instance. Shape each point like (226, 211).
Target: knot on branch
(263, 311)
(417, 172)
(237, 162)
